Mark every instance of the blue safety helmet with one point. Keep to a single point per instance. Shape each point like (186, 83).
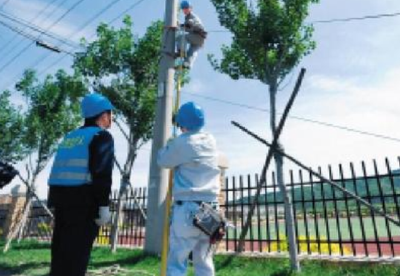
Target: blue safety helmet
(190, 116)
(95, 104)
(185, 5)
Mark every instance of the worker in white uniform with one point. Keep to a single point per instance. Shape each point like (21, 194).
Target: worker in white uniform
(194, 158)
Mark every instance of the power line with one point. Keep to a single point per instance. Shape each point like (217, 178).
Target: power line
(9, 42)
(47, 29)
(30, 25)
(65, 14)
(349, 129)
(126, 11)
(34, 39)
(18, 31)
(348, 19)
(110, 22)
(102, 11)
(31, 43)
(81, 28)
(5, 3)
(41, 59)
(376, 16)
(30, 37)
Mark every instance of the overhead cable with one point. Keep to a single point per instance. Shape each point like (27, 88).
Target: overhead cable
(81, 28)
(366, 17)
(5, 3)
(34, 39)
(47, 29)
(348, 19)
(35, 28)
(110, 22)
(126, 11)
(9, 43)
(349, 129)
(41, 59)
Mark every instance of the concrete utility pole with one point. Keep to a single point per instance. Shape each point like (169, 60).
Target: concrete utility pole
(158, 181)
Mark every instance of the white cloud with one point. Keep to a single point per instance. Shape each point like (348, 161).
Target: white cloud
(348, 97)
(349, 104)
(329, 84)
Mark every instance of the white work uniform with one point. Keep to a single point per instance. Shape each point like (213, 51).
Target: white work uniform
(194, 157)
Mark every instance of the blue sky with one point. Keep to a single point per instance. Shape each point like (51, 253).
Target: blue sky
(352, 80)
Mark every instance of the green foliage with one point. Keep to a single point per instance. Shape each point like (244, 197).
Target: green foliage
(268, 41)
(12, 126)
(125, 69)
(52, 111)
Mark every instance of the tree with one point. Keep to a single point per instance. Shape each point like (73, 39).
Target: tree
(124, 68)
(12, 126)
(269, 40)
(52, 111)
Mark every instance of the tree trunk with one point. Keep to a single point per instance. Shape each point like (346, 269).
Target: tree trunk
(125, 184)
(28, 206)
(118, 211)
(289, 217)
(25, 216)
(19, 227)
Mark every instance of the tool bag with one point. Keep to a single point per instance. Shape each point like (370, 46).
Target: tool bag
(211, 222)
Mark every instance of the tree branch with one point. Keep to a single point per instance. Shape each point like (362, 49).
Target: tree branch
(121, 129)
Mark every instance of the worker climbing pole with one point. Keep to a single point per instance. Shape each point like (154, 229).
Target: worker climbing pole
(192, 35)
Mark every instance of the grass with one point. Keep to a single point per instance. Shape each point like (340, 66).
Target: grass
(31, 258)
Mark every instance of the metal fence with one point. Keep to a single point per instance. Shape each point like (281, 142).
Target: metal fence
(327, 221)
(39, 224)
(131, 222)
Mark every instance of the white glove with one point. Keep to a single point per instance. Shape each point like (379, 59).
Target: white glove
(104, 216)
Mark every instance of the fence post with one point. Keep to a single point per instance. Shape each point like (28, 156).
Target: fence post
(223, 165)
(14, 211)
